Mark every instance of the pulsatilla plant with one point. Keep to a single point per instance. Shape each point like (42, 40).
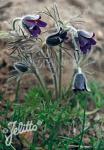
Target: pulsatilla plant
(35, 49)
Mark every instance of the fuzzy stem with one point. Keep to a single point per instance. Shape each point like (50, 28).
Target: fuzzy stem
(52, 69)
(37, 74)
(54, 77)
(17, 91)
(54, 74)
(83, 125)
(76, 52)
(60, 71)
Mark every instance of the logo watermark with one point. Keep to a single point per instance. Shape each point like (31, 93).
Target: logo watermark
(15, 128)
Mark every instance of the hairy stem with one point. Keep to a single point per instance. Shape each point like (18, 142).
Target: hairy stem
(17, 91)
(52, 69)
(37, 74)
(54, 74)
(76, 52)
(83, 125)
(60, 71)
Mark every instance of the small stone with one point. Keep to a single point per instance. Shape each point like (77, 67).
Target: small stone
(27, 136)
(99, 35)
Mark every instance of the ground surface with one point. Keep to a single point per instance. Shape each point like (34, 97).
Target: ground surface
(94, 21)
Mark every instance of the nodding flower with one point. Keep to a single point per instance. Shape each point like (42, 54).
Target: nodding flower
(57, 38)
(32, 24)
(85, 40)
(80, 81)
(20, 67)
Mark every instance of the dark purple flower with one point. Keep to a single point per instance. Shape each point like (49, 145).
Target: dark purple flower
(85, 40)
(80, 82)
(21, 67)
(32, 24)
(57, 38)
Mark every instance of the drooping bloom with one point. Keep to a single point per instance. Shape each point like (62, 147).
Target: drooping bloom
(32, 24)
(85, 40)
(57, 38)
(20, 67)
(80, 81)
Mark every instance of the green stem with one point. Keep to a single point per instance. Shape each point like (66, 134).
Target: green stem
(14, 22)
(76, 52)
(17, 91)
(83, 125)
(37, 74)
(60, 71)
(52, 69)
(54, 77)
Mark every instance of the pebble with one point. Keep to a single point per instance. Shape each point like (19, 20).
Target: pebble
(99, 35)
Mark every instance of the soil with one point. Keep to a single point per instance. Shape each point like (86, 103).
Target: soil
(92, 15)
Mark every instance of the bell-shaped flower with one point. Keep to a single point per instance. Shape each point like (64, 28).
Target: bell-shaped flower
(33, 24)
(20, 67)
(57, 38)
(80, 81)
(85, 40)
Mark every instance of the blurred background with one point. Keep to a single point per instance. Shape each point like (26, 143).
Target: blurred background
(92, 19)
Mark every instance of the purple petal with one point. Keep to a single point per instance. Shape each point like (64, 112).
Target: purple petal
(93, 42)
(28, 22)
(41, 23)
(86, 48)
(35, 31)
(85, 34)
(82, 41)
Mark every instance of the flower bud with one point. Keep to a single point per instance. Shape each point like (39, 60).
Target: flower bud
(21, 67)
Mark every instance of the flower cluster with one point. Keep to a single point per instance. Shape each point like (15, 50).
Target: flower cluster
(81, 41)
